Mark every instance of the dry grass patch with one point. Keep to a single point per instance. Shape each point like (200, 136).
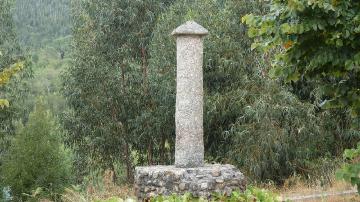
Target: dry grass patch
(296, 188)
(105, 190)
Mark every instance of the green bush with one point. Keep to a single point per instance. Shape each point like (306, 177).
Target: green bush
(317, 42)
(37, 159)
(350, 172)
(250, 195)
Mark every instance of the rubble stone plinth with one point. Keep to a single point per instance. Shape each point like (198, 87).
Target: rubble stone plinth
(200, 181)
(189, 174)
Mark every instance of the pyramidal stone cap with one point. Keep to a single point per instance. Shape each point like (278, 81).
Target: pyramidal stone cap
(190, 28)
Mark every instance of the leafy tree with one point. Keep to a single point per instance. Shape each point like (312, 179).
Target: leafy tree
(10, 55)
(5, 76)
(9, 45)
(37, 157)
(319, 40)
(15, 91)
(316, 41)
(106, 86)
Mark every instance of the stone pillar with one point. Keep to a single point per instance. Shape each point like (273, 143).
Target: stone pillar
(189, 175)
(189, 147)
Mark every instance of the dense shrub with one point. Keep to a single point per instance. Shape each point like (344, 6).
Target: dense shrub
(15, 91)
(106, 85)
(251, 194)
(316, 42)
(37, 157)
(351, 170)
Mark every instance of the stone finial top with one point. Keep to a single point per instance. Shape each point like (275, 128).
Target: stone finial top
(190, 28)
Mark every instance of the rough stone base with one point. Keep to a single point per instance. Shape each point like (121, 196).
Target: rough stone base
(200, 181)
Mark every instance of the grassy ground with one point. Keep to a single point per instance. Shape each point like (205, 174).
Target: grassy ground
(301, 189)
(338, 199)
(109, 190)
(106, 190)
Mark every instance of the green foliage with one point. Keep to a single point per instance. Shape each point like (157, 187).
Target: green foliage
(37, 157)
(317, 40)
(38, 23)
(350, 172)
(15, 91)
(9, 46)
(43, 28)
(115, 199)
(46, 82)
(106, 86)
(249, 195)
(5, 76)
(7, 73)
(277, 136)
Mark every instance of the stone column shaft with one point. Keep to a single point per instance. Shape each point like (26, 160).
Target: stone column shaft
(189, 148)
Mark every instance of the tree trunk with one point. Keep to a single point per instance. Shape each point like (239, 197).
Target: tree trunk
(129, 171)
(149, 154)
(128, 160)
(162, 150)
(145, 70)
